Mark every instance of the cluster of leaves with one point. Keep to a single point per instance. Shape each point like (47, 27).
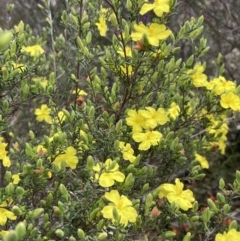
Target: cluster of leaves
(221, 21)
(111, 128)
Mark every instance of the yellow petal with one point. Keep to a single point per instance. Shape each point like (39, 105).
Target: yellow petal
(106, 180)
(113, 196)
(146, 8)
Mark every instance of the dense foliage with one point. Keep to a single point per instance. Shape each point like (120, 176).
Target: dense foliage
(107, 134)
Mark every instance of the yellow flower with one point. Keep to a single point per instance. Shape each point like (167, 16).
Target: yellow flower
(174, 110)
(61, 116)
(136, 120)
(231, 235)
(102, 26)
(127, 69)
(220, 86)
(128, 52)
(5, 214)
(127, 151)
(154, 117)
(202, 160)
(230, 100)
(42, 80)
(122, 205)
(3, 155)
(49, 174)
(154, 33)
(19, 28)
(69, 157)
(41, 150)
(43, 114)
(198, 78)
(220, 144)
(107, 13)
(3, 233)
(3, 152)
(11, 66)
(16, 179)
(34, 50)
(79, 92)
(158, 6)
(109, 173)
(147, 139)
(218, 128)
(55, 135)
(175, 193)
(6, 161)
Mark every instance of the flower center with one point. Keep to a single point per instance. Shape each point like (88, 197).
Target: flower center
(119, 205)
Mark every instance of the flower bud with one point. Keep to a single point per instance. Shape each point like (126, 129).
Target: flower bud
(102, 236)
(115, 214)
(49, 198)
(155, 212)
(145, 188)
(20, 191)
(130, 168)
(8, 176)
(169, 234)
(200, 176)
(100, 224)
(194, 219)
(129, 5)
(30, 227)
(64, 17)
(11, 236)
(31, 135)
(57, 211)
(206, 215)
(34, 232)
(46, 217)
(81, 234)
(59, 232)
(187, 237)
(43, 203)
(5, 38)
(93, 214)
(21, 230)
(90, 162)
(64, 191)
(233, 225)
(149, 201)
(226, 208)
(212, 205)
(47, 225)
(221, 198)
(37, 213)
(120, 236)
(238, 177)
(16, 210)
(190, 60)
(71, 238)
(221, 184)
(129, 181)
(10, 189)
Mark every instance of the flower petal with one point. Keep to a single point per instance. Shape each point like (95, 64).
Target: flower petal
(146, 8)
(113, 196)
(106, 180)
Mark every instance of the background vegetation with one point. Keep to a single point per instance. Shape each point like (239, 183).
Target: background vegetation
(56, 200)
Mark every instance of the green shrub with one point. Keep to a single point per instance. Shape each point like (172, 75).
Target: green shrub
(102, 127)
